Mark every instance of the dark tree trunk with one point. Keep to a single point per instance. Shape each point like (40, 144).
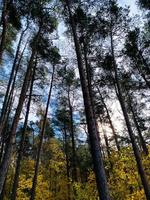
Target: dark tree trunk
(2, 149)
(11, 79)
(2, 195)
(129, 127)
(6, 130)
(89, 75)
(91, 121)
(10, 101)
(108, 150)
(41, 141)
(67, 160)
(142, 141)
(74, 162)
(11, 141)
(20, 153)
(106, 139)
(142, 64)
(88, 68)
(11, 93)
(4, 27)
(110, 121)
(143, 75)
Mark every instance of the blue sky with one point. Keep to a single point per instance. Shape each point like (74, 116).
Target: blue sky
(132, 4)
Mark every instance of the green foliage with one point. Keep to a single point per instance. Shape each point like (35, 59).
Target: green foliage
(45, 49)
(94, 26)
(144, 4)
(132, 43)
(10, 38)
(87, 191)
(14, 16)
(123, 177)
(108, 62)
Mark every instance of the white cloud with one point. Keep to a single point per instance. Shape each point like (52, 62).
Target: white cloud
(133, 5)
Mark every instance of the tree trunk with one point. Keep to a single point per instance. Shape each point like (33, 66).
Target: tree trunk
(2, 195)
(91, 121)
(20, 153)
(11, 79)
(107, 144)
(33, 189)
(11, 93)
(143, 75)
(4, 27)
(67, 161)
(2, 149)
(142, 141)
(6, 130)
(11, 141)
(74, 162)
(89, 81)
(128, 124)
(105, 138)
(110, 121)
(10, 99)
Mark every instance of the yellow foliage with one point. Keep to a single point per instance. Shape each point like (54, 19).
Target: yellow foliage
(42, 189)
(88, 190)
(53, 184)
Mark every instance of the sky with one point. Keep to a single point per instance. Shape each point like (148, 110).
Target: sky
(67, 49)
(132, 4)
(61, 27)
(65, 46)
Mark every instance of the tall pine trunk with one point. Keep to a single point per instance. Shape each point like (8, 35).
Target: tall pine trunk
(91, 121)
(142, 141)
(110, 121)
(143, 75)
(108, 150)
(143, 67)
(129, 127)
(4, 21)
(12, 136)
(67, 161)
(6, 128)
(10, 101)
(20, 153)
(11, 141)
(11, 79)
(34, 184)
(74, 162)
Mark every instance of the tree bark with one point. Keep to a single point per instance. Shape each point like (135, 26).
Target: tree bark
(129, 127)
(2, 195)
(107, 144)
(110, 121)
(91, 121)
(20, 153)
(143, 76)
(11, 79)
(11, 141)
(6, 130)
(34, 184)
(89, 81)
(142, 141)
(67, 161)
(74, 162)
(4, 27)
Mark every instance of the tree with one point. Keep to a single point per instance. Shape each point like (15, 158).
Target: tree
(113, 14)
(54, 61)
(91, 122)
(35, 49)
(10, 16)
